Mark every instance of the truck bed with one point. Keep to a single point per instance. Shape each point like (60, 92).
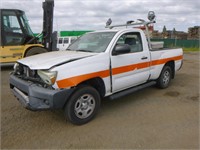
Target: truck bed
(164, 48)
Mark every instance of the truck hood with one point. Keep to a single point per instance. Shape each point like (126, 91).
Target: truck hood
(50, 59)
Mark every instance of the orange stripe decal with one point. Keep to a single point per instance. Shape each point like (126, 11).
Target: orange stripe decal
(163, 61)
(68, 82)
(73, 81)
(128, 68)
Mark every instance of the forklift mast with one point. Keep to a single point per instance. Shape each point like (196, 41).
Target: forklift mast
(47, 40)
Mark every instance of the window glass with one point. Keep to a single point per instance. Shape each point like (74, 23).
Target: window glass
(26, 26)
(14, 24)
(133, 40)
(13, 34)
(92, 42)
(66, 40)
(60, 40)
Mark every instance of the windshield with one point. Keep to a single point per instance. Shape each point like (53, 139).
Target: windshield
(92, 42)
(25, 24)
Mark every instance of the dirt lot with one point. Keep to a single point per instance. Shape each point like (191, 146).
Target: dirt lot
(151, 118)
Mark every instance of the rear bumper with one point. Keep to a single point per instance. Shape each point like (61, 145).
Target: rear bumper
(34, 97)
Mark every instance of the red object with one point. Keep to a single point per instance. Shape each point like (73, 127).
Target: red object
(143, 28)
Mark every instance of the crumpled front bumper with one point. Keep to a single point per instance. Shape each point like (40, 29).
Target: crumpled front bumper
(34, 97)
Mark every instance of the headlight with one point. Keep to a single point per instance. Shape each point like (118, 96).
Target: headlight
(16, 66)
(18, 69)
(49, 77)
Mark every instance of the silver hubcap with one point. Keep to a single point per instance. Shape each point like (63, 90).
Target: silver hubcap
(166, 77)
(84, 106)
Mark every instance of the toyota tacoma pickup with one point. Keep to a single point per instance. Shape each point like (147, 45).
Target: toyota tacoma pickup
(108, 63)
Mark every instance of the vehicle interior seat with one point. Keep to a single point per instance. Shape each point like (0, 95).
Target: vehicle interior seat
(132, 43)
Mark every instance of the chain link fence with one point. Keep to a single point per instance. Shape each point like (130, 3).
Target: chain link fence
(185, 44)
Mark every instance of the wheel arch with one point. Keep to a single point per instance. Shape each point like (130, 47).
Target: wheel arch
(171, 64)
(96, 83)
(30, 47)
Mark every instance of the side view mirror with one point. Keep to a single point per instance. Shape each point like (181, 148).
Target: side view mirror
(121, 49)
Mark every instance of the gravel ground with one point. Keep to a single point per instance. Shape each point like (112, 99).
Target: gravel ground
(151, 118)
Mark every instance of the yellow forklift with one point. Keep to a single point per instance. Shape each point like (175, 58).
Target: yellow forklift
(17, 39)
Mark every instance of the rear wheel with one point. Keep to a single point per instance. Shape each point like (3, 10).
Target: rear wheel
(165, 77)
(83, 105)
(35, 51)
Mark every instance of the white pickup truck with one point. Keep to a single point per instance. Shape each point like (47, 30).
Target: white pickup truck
(109, 63)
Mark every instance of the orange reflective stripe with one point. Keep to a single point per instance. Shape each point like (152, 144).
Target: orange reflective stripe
(68, 82)
(128, 68)
(73, 81)
(163, 61)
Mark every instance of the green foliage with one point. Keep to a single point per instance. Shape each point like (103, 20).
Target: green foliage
(191, 49)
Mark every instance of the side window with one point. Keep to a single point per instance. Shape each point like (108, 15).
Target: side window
(60, 41)
(11, 24)
(66, 40)
(133, 39)
(14, 24)
(13, 34)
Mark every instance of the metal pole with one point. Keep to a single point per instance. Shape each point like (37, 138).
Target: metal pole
(134, 24)
(148, 36)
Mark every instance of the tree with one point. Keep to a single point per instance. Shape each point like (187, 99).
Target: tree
(164, 32)
(174, 33)
(174, 30)
(164, 29)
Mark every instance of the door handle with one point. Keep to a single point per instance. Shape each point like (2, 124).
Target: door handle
(144, 57)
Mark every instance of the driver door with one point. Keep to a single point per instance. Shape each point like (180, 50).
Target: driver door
(133, 68)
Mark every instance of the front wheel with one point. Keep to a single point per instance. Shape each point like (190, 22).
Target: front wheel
(83, 105)
(165, 77)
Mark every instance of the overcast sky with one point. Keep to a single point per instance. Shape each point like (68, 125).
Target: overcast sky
(93, 14)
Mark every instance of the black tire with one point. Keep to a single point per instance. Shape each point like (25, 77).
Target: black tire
(35, 51)
(165, 77)
(83, 105)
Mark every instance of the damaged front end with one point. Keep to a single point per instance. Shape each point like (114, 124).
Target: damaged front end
(33, 88)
